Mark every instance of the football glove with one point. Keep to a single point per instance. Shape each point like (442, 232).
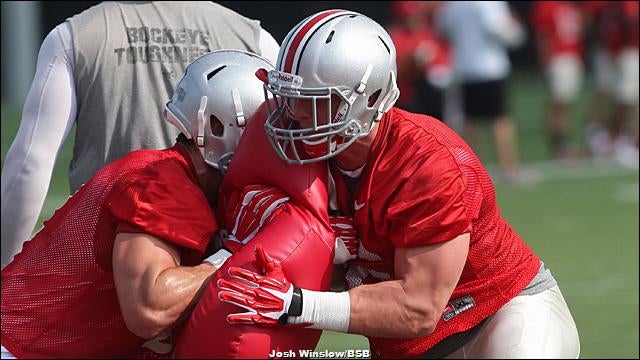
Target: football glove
(258, 204)
(269, 299)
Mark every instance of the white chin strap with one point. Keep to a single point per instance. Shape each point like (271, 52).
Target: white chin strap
(199, 140)
(200, 120)
(237, 104)
(203, 106)
(312, 142)
(359, 91)
(320, 141)
(385, 105)
(389, 99)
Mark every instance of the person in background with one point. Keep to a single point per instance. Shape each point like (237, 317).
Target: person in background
(480, 34)
(107, 71)
(424, 70)
(558, 29)
(613, 125)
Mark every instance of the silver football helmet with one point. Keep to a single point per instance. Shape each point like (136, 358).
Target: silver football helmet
(334, 53)
(214, 99)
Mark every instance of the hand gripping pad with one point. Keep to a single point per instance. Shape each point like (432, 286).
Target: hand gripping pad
(299, 237)
(255, 162)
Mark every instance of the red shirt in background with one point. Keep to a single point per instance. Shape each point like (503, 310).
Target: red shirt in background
(615, 23)
(418, 47)
(558, 24)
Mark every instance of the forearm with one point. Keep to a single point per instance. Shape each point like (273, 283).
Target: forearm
(406, 307)
(171, 296)
(153, 289)
(383, 309)
(386, 309)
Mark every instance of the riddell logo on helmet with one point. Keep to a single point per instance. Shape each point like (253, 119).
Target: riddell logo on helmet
(285, 77)
(279, 77)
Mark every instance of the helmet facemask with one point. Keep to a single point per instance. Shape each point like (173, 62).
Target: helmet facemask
(325, 137)
(337, 60)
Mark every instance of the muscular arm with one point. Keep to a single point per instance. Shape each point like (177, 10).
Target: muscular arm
(153, 289)
(407, 307)
(410, 305)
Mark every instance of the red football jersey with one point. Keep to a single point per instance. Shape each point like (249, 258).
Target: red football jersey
(423, 185)
(410, 43)
(560, 24)
(616, 24)
(58, 294)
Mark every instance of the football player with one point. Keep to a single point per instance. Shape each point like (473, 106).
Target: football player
(439, 271)
(558, 28)
(121, 261)
(106, 73)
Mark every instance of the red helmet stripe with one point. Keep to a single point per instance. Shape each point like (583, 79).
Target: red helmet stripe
(301, 33)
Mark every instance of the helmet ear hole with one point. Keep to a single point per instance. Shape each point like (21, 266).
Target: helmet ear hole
(217, 128)
(373, 98)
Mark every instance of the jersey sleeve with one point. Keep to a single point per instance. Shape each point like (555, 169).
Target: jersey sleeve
(429, 205)
(168, 206)
(47, 118)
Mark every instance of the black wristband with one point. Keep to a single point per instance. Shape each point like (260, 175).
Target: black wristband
(295, 308)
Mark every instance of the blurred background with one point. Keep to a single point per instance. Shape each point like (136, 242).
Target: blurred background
(574, 197)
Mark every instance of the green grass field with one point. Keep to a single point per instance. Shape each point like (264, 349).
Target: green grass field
(581, 219)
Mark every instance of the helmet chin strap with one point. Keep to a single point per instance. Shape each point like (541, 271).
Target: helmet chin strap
(203, 106)
(359, 91)
(237, 104)
(208, 179)
(199, 140)
(389, 99)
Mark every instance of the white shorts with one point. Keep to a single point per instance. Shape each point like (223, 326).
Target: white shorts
(604, 71)
(564, 74)
(618, 75)
(529, 326)
(5, 354)
(627, 86)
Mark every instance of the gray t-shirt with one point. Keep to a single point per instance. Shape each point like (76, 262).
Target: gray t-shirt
(129, 56)
(543, 280)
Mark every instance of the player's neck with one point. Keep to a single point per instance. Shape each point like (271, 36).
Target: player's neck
(208, 177)
(356, 155)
